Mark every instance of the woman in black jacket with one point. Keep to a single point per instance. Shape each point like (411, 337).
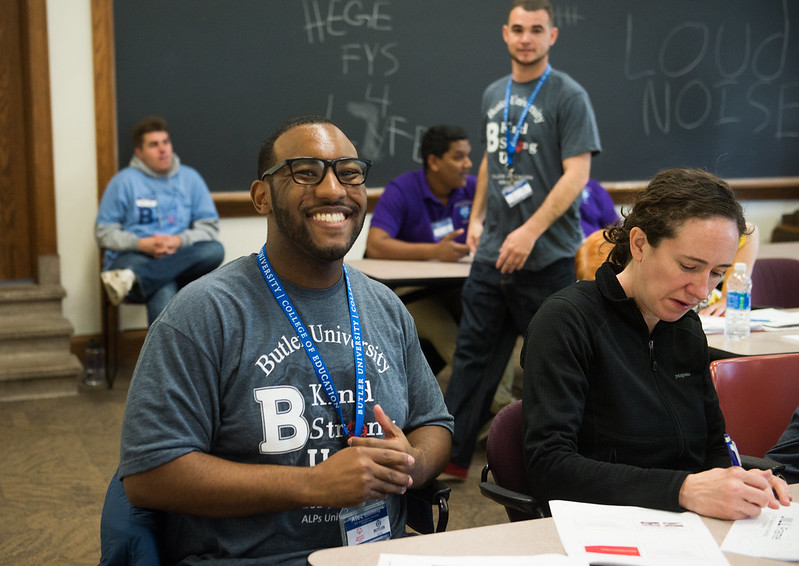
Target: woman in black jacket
(619, 407)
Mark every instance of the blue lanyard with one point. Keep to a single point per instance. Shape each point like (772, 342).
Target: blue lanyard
(512, 141)
(319, 366)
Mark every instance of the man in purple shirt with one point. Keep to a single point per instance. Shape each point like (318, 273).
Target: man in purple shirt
(596, 208)
(424, 214)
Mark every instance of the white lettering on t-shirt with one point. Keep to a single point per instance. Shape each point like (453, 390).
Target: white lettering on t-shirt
(286, 347)
(284, 427)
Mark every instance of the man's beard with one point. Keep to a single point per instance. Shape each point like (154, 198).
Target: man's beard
(532, 63)
(299, 234)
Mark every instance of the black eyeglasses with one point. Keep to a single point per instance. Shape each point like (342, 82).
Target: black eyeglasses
(311, 171)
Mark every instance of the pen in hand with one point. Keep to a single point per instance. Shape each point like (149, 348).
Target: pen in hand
(735, 457)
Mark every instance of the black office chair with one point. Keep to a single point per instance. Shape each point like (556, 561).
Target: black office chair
(131, 536)
(505, 458)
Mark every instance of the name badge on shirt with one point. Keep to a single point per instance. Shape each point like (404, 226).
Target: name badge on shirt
(365, 523)
(442, 227)
(146, 203)
(514, 194)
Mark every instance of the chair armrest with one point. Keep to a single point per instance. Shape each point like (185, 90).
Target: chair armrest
(755, 463)
(521, 502)
(420, 504)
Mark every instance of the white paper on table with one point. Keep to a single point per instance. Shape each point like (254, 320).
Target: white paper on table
(536, 560)
(774, 534)
(775, 318)
(712, 324)
(615, 534)
(715, 324)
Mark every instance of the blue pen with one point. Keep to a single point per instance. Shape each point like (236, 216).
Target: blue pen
(735, 458)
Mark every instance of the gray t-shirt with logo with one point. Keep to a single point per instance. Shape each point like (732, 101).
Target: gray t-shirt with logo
(560, 124)
(223, 372)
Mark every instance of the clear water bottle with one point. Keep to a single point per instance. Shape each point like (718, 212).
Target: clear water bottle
(94, 365)
(739, 299)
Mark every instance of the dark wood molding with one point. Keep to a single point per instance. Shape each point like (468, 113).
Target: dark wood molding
(237, 204)
(768, 188)
(41, 175)
(105, 104)
(234, 204)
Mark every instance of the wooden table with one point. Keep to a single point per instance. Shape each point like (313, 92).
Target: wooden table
(539, 536)
(401, 272)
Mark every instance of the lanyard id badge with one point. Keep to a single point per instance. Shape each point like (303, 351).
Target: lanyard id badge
(355, 428)
(512, 139)
(514, 194)
(365, 523)
(442, 228)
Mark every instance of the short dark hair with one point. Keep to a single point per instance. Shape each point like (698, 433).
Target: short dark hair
(266, 155)
(146, 126)
(534, 5)
(673, 197)
(437, 139)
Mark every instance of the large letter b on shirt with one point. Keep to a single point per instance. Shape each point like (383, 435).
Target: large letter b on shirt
(285, 429)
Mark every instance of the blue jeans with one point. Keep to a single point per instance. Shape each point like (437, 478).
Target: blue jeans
(496, 310)
(158, 280)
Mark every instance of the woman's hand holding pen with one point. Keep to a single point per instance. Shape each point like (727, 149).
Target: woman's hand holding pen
(733, 493)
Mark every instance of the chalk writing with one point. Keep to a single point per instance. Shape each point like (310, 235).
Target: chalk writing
(566, 15)
(355, 53)
(340, 17)
(367, 67)
(703, 70)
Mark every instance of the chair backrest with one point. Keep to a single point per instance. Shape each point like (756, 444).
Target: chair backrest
(504, 451)
(128, 535)
(591, 254)
(775, 282)
(757, 395)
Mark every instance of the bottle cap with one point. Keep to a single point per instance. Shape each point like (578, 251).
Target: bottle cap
(740, 267)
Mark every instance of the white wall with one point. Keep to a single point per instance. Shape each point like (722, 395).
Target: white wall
(72, 94)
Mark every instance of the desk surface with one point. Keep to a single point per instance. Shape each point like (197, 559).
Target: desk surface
(395, 272)
(758, 343)
(539, 536)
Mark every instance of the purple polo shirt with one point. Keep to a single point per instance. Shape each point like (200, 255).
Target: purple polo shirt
(407, 208)
(596, 208)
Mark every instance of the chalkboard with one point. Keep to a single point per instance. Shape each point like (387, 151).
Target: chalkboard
(710, 83)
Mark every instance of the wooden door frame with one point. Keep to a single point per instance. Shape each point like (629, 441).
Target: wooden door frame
(38, 140)
(105, 104)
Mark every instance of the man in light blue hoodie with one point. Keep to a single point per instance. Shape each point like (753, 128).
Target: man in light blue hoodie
(157, 224)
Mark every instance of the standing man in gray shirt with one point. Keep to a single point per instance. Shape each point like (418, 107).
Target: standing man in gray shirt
(540, 134)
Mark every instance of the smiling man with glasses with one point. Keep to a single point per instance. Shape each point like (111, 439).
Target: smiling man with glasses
(285, 386)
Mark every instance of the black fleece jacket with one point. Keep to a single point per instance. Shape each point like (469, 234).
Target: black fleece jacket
(613, 414)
